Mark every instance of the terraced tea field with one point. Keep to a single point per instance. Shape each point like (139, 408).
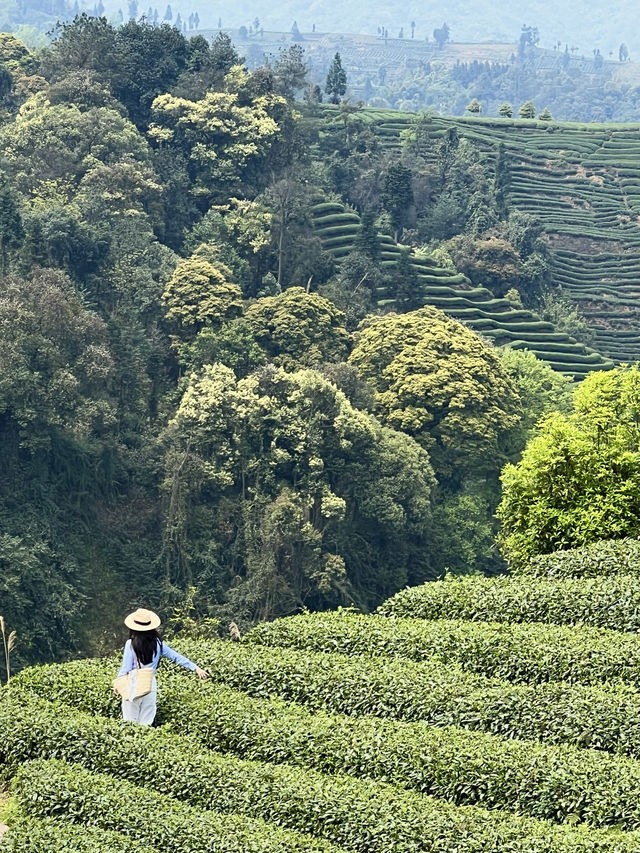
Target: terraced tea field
(583, 183)
(494, 318)
(465, 716)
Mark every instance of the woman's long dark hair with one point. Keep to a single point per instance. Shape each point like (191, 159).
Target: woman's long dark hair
(144, 645)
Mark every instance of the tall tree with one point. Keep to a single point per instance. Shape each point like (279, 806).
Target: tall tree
(11, 231)
(398, 196)
(438, 381)
(578, 480)
(336, 82)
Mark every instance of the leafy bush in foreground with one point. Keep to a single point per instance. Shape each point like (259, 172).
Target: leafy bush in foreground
(521, 653)
(45, 788)
(45, 835)
(553, 782)
(358, 814)
(605, 602)
(609, 557)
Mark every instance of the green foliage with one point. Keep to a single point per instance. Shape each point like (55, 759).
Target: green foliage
(336, 82)
(548, 782)
(44, 788)
(523, 653)
(296, 328)
(527, 110)
(437, 381)
(398, 195)
(55, 363)
(541, 389)
(32, 835)
(223, 136)
(200, 294)
(577, 481)
(348, 811)
(306, 495)
(609, 602)
(609, 557)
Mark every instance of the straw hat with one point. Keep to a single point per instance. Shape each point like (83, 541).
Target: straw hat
(142, 620)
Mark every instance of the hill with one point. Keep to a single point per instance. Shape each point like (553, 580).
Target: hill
(583, 183)
(603, 27)
(336, 731)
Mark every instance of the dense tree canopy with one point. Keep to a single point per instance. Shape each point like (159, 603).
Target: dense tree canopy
(311, 500)
(215, 372)
(437, 381)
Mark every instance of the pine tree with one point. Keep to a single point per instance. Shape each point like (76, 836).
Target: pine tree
(336, 84)
(527, 110)
(474, 106)
(168, 15)
(545, 115)
(367, 240)
(406, 284)
(506, 110)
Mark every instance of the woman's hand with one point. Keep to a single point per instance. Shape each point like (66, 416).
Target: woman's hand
(201, 673)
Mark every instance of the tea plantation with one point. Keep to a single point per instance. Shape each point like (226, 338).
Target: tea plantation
(466, 715)
(583, 182)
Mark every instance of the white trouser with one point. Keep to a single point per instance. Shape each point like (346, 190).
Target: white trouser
(141, 710)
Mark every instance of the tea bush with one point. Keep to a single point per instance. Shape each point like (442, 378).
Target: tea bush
(355, 813)
(552, 782)
(50, 835)
(46, 788)
(523, 653)
(605, 602)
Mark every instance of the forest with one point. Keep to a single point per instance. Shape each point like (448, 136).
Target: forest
(227, 389)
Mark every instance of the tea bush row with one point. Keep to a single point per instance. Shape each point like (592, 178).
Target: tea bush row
(605, 602)
(524, 653)
(557, 783)
(47, 788)
(437, 693)
(608, 557)
(50, 835)
(357, 814)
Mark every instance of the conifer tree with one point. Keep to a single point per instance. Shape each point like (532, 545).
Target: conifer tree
(336, 84)
(367, 237)
(527, 110)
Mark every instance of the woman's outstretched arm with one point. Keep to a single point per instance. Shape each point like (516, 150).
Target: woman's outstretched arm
(181, 660)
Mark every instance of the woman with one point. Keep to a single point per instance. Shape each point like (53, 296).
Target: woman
(144, 648)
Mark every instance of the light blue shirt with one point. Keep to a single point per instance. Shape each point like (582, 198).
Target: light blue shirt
(162, 651)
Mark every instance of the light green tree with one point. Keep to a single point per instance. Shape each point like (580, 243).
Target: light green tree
(474, 107)
(545, 115)
(579, 477)
(200, 293)
(505, 110)
(296, 328)
(439, 382)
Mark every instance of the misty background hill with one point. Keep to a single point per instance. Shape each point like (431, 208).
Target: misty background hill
(583, 25)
